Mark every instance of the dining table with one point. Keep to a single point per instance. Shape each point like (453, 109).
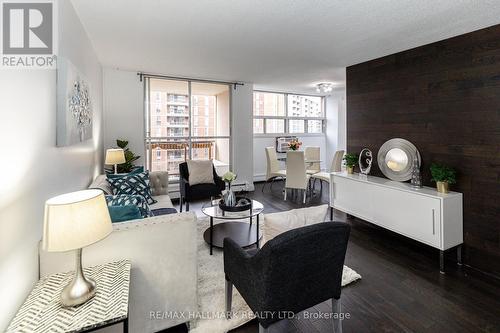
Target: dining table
(308, 161)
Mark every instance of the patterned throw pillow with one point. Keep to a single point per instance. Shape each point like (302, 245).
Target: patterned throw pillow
(133, 184)
(125, 200)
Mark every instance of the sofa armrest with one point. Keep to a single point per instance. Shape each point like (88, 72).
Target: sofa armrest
(159, 182)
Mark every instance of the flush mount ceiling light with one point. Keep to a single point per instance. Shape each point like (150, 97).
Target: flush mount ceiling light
(324, 87)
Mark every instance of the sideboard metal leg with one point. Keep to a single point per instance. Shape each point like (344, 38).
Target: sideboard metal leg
(331, 213)
(459, 255)
(441, 262)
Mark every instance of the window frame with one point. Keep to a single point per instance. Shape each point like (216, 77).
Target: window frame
(189, 139)
(287, 118)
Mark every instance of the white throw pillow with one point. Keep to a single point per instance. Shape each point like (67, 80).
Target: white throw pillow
(200, 172)
(277, 223)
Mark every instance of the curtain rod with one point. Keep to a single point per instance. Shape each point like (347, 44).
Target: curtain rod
(159, 76)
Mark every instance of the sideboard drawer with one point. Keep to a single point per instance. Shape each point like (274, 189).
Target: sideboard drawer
(352, 197)
(418, 217)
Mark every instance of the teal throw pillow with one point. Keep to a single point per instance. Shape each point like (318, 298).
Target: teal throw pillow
(124, 213)
(133, 184)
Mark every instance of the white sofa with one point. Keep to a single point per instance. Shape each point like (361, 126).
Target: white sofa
(163, 253)
(164, 276)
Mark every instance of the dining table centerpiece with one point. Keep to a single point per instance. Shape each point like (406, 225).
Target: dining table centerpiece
(294, 144)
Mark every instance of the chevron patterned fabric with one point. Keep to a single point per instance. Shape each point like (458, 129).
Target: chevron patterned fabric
(136, 184)
(125, 199)
(42, 311)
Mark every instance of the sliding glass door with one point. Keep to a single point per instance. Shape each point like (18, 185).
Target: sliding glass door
(186, 120)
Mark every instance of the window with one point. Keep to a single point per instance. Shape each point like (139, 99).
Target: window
(192, 123)
(282, 113)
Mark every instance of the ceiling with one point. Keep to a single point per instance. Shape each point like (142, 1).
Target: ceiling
(280, 44)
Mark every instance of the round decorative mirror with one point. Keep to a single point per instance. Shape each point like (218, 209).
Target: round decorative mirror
(395, 159)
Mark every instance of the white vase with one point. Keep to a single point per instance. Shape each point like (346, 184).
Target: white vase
(230, 198)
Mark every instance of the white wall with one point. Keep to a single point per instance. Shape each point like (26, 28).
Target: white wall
(32, 168)
(242, 134)
(124, 110)
(335, 124)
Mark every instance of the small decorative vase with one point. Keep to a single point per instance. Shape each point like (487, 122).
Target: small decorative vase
(416, 178)
(350, 170)
(230, 197)
(442, 187)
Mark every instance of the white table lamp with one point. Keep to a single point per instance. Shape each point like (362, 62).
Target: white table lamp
(73, 221)
(115, 156)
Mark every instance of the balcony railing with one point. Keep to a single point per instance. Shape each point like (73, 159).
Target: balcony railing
(171, 162)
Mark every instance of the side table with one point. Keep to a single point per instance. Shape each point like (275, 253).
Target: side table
(42, 310)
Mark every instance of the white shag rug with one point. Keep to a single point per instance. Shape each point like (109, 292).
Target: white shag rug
(211, 291)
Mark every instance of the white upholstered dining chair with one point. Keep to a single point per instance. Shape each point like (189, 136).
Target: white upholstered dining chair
(313, 154)
(335, 167)
(273, 170)
(297, 177)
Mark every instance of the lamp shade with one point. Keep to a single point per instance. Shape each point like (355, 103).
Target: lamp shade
(115, 156)
(75, 220)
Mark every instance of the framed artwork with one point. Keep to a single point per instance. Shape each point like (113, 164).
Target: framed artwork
(74, 105)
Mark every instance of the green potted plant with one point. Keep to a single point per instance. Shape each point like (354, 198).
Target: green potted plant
(351, 160)
(443, 176)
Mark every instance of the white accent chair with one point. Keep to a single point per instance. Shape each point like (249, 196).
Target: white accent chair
(297, 177)
(335, 167)
(273, 167)
(313, 153)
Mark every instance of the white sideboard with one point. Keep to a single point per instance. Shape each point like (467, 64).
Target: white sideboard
(423, 214)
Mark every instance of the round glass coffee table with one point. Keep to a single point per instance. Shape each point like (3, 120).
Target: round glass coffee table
(244, 234)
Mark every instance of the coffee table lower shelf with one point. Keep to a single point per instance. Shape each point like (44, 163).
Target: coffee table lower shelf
(244, 234)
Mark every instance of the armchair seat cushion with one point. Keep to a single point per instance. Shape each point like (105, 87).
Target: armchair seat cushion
(203, 191)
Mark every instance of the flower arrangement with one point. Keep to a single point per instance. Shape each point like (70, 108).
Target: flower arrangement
(294, 144)
(229, 177)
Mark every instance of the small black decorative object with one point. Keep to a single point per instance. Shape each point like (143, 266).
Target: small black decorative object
(242, 204)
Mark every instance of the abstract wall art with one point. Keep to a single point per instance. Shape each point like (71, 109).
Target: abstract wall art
(74, 105)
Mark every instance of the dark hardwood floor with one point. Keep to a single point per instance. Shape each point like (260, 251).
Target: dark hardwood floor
(401, 289)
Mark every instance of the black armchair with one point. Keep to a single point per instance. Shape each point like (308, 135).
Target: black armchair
(198, 191)
(291, 273)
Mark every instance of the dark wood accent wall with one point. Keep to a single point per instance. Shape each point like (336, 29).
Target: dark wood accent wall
(445, 98)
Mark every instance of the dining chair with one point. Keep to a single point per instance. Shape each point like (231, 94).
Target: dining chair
(297, 177)
(313, 154)
(273, 170)
(335, 167)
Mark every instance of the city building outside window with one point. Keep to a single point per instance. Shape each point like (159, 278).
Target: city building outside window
(186, 120)
(284, 113)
